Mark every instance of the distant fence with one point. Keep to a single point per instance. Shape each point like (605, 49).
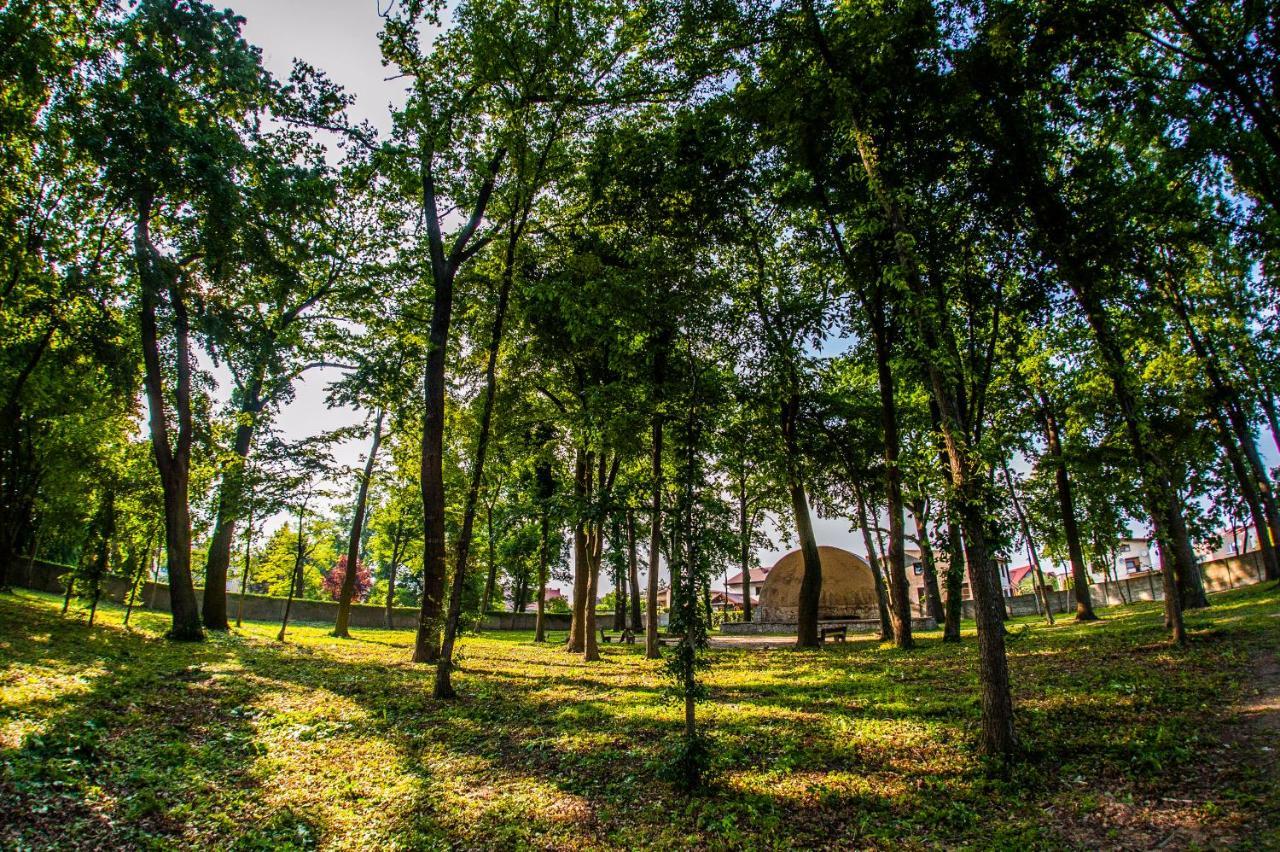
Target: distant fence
(47, 577)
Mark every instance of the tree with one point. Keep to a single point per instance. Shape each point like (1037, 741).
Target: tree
(336, 580)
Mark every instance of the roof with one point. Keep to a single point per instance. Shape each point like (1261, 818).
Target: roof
(757, 576)
(1017, 575)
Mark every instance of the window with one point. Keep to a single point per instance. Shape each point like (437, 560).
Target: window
(917, 568)
(1132, 565)
(1124, 548)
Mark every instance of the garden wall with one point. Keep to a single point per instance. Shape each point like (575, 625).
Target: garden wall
(46, 577)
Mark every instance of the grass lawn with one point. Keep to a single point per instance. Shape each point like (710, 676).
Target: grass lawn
(115, 738)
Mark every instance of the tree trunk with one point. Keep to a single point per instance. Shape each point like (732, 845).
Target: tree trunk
(576, 642)
(244, 574)
(652, 650)
(595, 551)
(811, 583)
(300, 556)
(882, 601)
(230, 495)
(357, 530)
(389, 618)
(633, 573)
(928, 566)
(490, 581)
(744, 544)
(1242, 452)
(954, 580)
(539, 632)
(900, 610)
(137, 581)
(172, 460)
(1067, 506)
(1041, 590)
(1172, 601)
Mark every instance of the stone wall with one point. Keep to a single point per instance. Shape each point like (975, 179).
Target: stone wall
(46, 577)
(854, 625)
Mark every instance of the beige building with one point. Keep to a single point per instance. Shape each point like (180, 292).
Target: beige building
(848, 587)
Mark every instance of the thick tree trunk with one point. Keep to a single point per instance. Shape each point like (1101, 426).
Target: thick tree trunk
(633, 573)
(340, 627)
(954, 581)
(1172, 600)
(230, 495)
(1067, 508)
(882, 598)
(595, 549)
(172, 460)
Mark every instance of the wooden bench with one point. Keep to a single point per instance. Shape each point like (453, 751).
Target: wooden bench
(670, 638)
(840, 632)
(624, 637)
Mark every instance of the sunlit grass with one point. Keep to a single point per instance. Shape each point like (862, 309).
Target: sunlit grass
(114, 737)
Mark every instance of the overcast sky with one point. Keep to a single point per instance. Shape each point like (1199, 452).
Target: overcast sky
(341, 38)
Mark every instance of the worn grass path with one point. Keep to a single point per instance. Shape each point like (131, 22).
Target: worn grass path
(114, 738)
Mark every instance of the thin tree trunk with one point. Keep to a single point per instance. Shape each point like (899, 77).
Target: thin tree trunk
(744, 543)
(633, 572)
(595, 546)
(300, 556)
(230, 496)
(444, 269)
(928, 565)
(137, 581)
(1042, 593)
(576, 642)
(652, 650)
(491, 581)
(811, 583)
(389, 619)
(539, 633)
(882, 602)
(244, 574)
(1067, 507)
(348, 590)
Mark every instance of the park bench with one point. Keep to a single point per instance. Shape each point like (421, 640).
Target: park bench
(840, 632)
(670, 638)
(625, 636)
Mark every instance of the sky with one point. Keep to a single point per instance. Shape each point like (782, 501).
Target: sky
(341, 38)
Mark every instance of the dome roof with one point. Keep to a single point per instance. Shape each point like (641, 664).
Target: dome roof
(848, 587)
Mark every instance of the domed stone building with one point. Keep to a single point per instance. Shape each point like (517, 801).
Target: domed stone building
(848, 588)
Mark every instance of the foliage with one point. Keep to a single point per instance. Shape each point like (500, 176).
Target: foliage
(332, 585)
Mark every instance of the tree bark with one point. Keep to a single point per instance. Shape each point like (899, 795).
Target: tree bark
(1067, 507)
(744, 540)
(444, 269)
(230, 495)
(491, 580)
(576, 642)
(811, 583)
(928, 565)
(300, 555)
(882, 598)
(1041, 589)
(389, 617)
(595, 549)
(340, 627)
(633, 572)
(652, 650)
(173, 460)
(539, 631)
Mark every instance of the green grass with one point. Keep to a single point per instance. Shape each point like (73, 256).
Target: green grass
(114, 738)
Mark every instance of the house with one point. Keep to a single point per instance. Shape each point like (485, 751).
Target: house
(1233, 541)
(755, 582)
(1134, 557)
(915, 578)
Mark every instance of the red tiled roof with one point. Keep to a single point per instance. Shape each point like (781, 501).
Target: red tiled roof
(757, 576)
